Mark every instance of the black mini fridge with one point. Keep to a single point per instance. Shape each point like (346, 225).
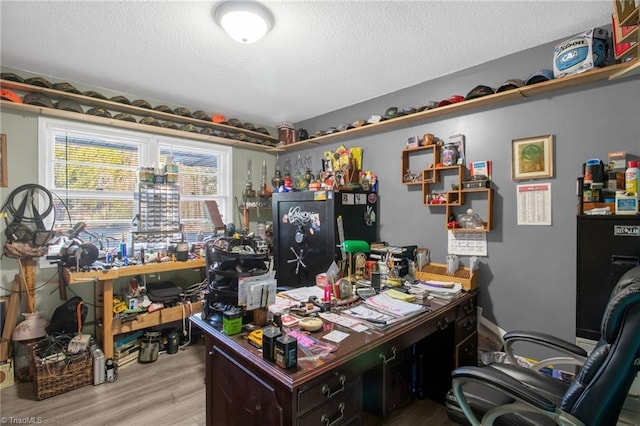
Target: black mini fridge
(307, 234)
(608, 246)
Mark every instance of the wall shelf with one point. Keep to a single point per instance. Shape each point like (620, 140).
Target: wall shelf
(269, 142)
(589, 77)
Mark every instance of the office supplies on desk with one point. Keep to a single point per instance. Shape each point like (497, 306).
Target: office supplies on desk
(393, 306)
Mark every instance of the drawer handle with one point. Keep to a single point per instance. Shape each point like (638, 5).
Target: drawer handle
(468, 307)
(393, 356)
(326, 390)
(326, 420)
(469, 325)
(442, 324)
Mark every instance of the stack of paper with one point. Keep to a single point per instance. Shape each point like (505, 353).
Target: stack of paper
(441, 289)
(393, 306)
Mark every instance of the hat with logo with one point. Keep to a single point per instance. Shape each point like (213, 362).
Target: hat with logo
(451, 100)
(11, 77)
(540, 76)
(141, 103)
(100, 112)
(428, 105)
(94, 94)
(66, 87)
(163, 108)
(406, 111)
(359, 123)
(208, 131)
(8, 95)
(219, 119)
(479, 91)
(391, 112)
(125, 116)
(69, 105)
(239, 136)
(512, 83)
(39, 81)
(38, 99)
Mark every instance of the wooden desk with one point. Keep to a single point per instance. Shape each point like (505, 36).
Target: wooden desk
(103, 281)
(243, 388)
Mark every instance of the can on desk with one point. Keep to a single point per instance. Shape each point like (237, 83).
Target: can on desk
(286, 352)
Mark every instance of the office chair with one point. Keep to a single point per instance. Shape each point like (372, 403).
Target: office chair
(507, 394)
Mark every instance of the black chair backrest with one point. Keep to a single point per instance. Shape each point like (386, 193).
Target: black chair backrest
(600, 389)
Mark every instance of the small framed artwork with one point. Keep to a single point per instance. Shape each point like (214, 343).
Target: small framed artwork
(532, 158)
(4, 180)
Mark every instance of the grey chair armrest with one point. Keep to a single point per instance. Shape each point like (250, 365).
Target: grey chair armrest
(545, 340)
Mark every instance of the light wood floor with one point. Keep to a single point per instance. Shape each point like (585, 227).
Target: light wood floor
(169, 391)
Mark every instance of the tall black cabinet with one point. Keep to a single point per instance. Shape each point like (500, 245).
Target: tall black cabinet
(608, 246)
(306, 233)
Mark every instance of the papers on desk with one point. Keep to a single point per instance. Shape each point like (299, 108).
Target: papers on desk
(441, 289)
(384, 303)
(302, 294)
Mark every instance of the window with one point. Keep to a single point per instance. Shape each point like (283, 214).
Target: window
(93, 173)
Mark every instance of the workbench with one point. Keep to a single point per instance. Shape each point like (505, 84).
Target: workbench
(106, 326)
(370, 371)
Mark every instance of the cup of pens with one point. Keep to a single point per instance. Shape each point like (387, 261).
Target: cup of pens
(260, 316)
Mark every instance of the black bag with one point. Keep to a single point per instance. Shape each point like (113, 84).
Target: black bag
(163, 292)
(68, 317)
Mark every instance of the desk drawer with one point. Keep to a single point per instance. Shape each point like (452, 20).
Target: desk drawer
(467, 308)
(466, 326)
(330, 387)
(341, 409)
(467, 351)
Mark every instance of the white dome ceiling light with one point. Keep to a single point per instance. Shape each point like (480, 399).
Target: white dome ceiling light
(244, 21)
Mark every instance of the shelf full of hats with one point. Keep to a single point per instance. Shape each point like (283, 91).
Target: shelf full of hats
(538, 83)
(444, 163)
(40, 96)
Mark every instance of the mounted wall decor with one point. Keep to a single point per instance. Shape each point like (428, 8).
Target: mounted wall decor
(532, 158)
(4, 179)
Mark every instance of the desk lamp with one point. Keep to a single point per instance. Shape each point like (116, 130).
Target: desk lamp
(354, 248)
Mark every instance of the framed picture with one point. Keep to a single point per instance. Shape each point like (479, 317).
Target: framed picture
(532, 158)
(4, 180)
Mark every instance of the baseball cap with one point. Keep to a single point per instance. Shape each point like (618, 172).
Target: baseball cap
(38, 99)
(125, 116)
(239, 136)
(235, 122)
(263, 131)
(512, 83)
(69, 105)
(150, 121)
(451, 100)
(94, 94)
(218, 118)
(406, 111)
(8, 95)
(163, 108)
(249, 126)
(141, 103)
(189, 128)
(201, 115)
(120, 99)
(374, 119)
(428, 105)
(66, 87)
(11, 77)
(183, 112)
(358, 123)
(100, 112)
(391, 112)
(540, 76)
(479, 91)
(208, 131)
(39, 81)
(169, 125)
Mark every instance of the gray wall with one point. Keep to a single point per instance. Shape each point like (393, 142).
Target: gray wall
(528, 279)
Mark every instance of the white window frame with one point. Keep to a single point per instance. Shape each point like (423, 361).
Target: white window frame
(150, 150)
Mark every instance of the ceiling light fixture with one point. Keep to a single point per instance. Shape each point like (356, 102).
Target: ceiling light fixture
(243, 21)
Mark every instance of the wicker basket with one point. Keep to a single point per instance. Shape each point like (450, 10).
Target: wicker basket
(52, 377)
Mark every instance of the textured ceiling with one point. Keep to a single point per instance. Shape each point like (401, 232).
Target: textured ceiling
(320, 56)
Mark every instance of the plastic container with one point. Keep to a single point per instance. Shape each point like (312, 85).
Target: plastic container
(632, 179)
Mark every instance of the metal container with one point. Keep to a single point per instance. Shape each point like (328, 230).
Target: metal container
(149, 347)
(98, 367)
